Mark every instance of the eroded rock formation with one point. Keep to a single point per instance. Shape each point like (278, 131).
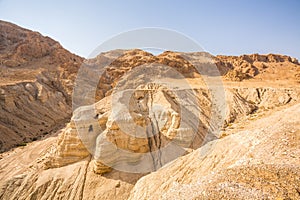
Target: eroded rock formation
(260, 162)
(36, 83)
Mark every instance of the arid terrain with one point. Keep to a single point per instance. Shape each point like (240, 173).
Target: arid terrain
(145, 135)
(35, 86)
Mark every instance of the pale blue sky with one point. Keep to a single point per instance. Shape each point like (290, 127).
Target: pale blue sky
(220, 27)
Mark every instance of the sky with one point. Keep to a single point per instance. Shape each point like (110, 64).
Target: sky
(220, 27)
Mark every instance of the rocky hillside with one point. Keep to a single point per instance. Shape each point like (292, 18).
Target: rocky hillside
(256, 156)
(114, 64)
(260, 162)
(261, 67)
(146, 135)
(36, 75)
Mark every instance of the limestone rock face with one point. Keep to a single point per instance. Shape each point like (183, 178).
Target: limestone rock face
(114, 64)
(270, 97)
(133, 131)
(144, 121)
(239, 166)
(126, 129)
(237, 106)
(36, 83)
(73, 181)
(69, 149)
(136, 132)
(261, 162)
(107, 68)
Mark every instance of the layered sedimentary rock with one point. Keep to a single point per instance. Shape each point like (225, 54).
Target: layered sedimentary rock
(134, 133)
(69, 149)
(36, 83)
(242, 165)
(142, 117)
(260, 162)
(140, 124)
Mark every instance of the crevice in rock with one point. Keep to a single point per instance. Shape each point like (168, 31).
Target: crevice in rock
(258, 94)
(84, 176)
(159, 143)
(289, 100)
(149, 138)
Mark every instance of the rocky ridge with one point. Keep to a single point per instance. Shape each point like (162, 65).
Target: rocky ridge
(35, 87)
